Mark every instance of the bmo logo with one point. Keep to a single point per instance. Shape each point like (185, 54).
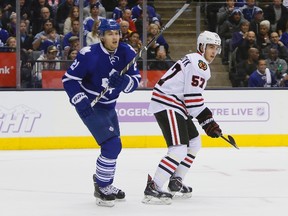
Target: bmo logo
(6, 70)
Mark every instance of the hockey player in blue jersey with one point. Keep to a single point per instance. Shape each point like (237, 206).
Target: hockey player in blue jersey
(94, 68)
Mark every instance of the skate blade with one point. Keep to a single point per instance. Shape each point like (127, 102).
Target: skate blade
(120, 200)
(179, 195)
(156, 201)
(105, 203)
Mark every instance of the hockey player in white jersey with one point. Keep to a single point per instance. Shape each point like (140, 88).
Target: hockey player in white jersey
(176, 99)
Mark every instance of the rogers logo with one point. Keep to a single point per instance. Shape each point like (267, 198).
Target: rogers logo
(5, 70)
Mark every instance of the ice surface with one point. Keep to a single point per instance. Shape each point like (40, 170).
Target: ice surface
(225, 181)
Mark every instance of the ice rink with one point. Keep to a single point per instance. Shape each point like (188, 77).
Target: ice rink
(225, 181)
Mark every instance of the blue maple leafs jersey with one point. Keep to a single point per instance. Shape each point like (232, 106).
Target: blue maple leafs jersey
(90, 71)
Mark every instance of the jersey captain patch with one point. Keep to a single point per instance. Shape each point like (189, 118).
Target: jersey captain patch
(202, 65)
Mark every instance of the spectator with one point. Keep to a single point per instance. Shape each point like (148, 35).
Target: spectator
(245, 68)
(263, 38)
(161, 61)
(151, 51)
(51, 40)
(8, 7)
(11, 44)
(26, 39)
(262, 77)
(125, 32)
(276, 64)
(277, 44)
(258, 16)
(11, 25)
(240, 36)
(285, 3)
(74, 32)
(70, 57)
(46, 61)
(3, 23)
(27, 60)
(284, 81)
(137, 12)
(225, 12)
(277, 14)
(74, 43)
(134, 40)
(284, 36)
(93, 37)
(25, 13)
(42, 36)
(37, 23)
(249, 42)
(73, 15)
(87, 9)
(119, 10)
(89, 21)
(249, 9)
(127, 17)
(54, 4)
(63, 11)
(227, 29)
(139, 24)
(39, 15)
(154, 30)
(72, 54)
(26, 57)
(4, 35)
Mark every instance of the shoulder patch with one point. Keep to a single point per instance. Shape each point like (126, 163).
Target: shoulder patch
(202, 65)
(85, 50)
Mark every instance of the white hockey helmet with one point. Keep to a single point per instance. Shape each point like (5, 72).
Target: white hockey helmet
(208, 37)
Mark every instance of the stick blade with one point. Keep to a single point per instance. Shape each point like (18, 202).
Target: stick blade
(232, 141)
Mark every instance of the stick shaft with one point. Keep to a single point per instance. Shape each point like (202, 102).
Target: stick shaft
(132, 62)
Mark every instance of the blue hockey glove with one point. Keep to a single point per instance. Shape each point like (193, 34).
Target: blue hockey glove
(121, 82)
(208, 124)
(82, 105)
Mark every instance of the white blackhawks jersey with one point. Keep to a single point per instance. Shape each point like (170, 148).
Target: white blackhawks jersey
(180, 88)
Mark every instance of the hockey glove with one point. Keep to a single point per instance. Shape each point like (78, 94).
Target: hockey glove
(208, 124)
(121, 82)
(82, 105)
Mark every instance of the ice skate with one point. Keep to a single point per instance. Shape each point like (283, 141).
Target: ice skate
(119, 194)
(105, 196)
(154, 195)
(178, 189)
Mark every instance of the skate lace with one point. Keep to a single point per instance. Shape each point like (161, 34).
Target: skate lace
(110, 189)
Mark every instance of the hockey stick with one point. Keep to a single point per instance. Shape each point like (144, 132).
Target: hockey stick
(132, 62)
(230, 140)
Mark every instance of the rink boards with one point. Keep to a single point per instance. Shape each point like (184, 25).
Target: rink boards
(46, 120)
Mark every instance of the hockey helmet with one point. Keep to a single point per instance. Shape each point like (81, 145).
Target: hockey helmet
(107, 25)
(208, 37)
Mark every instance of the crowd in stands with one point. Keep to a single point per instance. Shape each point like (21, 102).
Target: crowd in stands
(50, 31)
(250, 31)
(254, 38)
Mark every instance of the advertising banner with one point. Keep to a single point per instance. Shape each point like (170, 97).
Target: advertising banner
(46, 119)
(7, 69)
